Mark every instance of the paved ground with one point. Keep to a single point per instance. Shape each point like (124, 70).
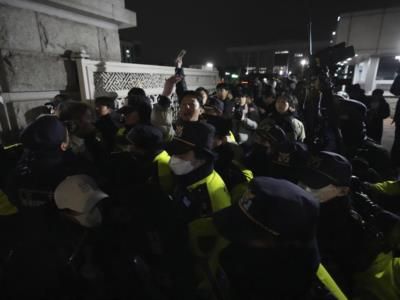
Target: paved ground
(388, 129)
(388, 134)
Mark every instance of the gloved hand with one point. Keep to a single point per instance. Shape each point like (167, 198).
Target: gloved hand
(357, 185)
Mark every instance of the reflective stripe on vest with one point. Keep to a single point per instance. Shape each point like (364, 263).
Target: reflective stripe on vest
(217, 191)
(165, 176)
(329, 283)
(121, 131)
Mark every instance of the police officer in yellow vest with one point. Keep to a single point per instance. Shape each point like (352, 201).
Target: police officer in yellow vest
(272, 251)
(147, 144)
(358, 239)
(199, 192)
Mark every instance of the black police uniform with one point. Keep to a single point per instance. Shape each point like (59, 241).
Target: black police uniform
(108, 129)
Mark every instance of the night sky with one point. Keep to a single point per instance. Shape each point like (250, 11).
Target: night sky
(205, 28)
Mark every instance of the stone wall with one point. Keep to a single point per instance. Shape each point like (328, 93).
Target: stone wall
(36, 42)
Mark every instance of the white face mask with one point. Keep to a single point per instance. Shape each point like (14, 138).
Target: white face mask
(180, 166)
(91, 219)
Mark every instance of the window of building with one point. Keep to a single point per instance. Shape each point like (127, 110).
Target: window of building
(387, 68)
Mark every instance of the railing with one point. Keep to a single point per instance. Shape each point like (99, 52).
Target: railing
(384, 85)
(98, 78)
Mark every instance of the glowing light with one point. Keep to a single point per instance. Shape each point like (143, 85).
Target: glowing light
(282, 52)
(235, 76)
(303, 62)
(210, 65)
(338, 18)
(227, 73)
(334, 33)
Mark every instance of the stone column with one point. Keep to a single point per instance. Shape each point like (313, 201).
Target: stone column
(370, 80)
(37, 39)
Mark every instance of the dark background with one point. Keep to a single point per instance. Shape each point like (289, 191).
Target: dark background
(205, 28)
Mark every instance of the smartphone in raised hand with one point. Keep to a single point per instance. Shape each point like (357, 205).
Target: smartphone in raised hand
(181, 55)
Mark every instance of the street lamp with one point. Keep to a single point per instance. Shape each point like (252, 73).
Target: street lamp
(303, 62)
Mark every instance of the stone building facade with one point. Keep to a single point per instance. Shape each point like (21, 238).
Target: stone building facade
(38, 44)
(375, 36)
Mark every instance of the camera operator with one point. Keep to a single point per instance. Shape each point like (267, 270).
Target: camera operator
(351, 115)
(351, 118)
(356, 237)
(245, 116)
(284, 117)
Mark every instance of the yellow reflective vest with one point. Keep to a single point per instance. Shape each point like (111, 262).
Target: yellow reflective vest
(217, 191)
(390, 188)
(329, 283)
(203, 239)
(165, 177)
(6, 208)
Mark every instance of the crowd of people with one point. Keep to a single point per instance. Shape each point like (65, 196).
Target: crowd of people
(234, 199)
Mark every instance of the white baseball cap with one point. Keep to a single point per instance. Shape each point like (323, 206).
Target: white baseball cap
(79, 193)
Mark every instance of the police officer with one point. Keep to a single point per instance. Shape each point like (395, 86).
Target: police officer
(214, 107)
(275, 155)
(229, 161)
(356, 237)
(272, 251)
(147, 146)
(351, 115)
(44, 164)
(105, 123)
(200, 191)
